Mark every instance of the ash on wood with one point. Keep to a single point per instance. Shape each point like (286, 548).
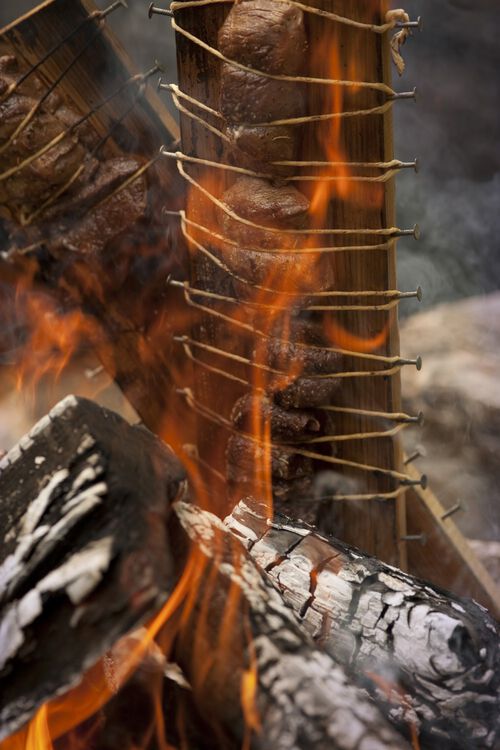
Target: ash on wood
(85, 500)
(269, 674)
(436, 654)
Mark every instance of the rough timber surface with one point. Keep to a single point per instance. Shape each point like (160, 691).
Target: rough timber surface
(84, 555)
(376, 527)
(437, 653)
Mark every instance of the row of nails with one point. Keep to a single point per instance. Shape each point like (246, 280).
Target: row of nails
(155, 9)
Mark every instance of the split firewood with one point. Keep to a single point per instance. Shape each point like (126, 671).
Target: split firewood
(85, 557)
(429, 658)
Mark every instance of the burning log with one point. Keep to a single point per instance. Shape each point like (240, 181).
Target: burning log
(86, 503)
(85, 498)
(92, 522)
(432, 655)
(293, 696)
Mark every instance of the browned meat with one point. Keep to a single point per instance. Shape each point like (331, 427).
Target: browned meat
(277, 270)
(104, 178)
(263, 203)
(111, 218)
(288, 355)
(31, 185)
(265, 35)
(252, 98)
(284, 425)
(306, 393)
(258, 147)
(245, 456)
(90, 213)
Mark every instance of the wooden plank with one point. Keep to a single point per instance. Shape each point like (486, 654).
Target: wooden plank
(444, 556)
(99, 71)
(376, 527)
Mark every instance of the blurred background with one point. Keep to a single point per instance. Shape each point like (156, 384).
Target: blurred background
(454, 130)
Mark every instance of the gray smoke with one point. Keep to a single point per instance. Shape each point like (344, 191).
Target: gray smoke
(454, 130)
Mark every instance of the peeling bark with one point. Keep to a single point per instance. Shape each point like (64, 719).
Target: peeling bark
(395, 634)
(84, 558)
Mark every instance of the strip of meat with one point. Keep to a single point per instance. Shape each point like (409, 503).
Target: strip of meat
(284, 425)
(271, 270)
(306, 393)
(262, 203)
(246, 460)
(257, 147)
(265, 35)
(251, 98)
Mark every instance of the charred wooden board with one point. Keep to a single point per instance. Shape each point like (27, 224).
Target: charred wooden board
(392, 632)
(84, 558)
(92, 67)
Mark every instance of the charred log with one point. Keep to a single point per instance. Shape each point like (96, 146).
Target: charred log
(435, 656)
(85, 498)
(300, 697)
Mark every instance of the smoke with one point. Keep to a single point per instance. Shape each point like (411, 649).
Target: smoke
(453, 129)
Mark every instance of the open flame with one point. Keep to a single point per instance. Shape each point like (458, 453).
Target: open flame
(55, 337)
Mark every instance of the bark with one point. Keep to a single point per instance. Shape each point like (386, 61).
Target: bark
(302, 698)
(433, 655)
(85, 498)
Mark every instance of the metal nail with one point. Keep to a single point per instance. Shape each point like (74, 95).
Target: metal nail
(90, 374)
(418, 24)
(405, 95)
(422, 538)
(155, 10)
(419, 452)
(415, 362)
(422, 482)
(114, 6)
(451, 511)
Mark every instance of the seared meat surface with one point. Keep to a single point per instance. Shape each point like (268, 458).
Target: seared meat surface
(265, 35)
(270, 38)
(70, 197)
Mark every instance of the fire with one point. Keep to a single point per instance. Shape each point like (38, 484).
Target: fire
(395, 694)
(342, 338)
(55, 337)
